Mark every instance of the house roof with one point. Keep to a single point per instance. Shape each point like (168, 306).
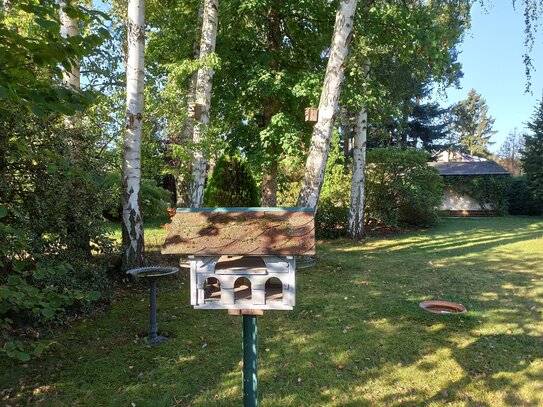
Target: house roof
(242, 231)
(449, 155)
(469, 168)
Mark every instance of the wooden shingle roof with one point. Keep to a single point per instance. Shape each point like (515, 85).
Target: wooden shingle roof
(469, 168)
(242, 231)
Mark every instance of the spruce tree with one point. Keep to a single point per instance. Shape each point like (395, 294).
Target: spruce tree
(472, 124)
(532, 160)
(427, 127)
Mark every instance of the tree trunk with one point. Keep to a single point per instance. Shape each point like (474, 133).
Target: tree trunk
(70, 77)
(269, 184)
(6, 6)
(182, 181)
(322, 132)
(77, 233)
(132, 221)
(270, 171)
(345, 131)
(203, 98)
(356, 210)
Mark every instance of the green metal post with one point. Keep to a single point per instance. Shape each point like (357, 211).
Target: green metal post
(250, 354)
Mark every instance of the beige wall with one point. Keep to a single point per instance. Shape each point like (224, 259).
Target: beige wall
(454, 202)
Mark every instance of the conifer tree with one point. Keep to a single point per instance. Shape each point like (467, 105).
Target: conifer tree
(472, 124)
(532, 160)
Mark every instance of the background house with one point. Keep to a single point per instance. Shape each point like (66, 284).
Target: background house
(455, 165)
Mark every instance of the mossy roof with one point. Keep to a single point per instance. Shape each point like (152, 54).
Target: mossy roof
(242, 231)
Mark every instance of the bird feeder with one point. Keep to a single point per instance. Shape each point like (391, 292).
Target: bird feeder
(311, 115)
(242, 260)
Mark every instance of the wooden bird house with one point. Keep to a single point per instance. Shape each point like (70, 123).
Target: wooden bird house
(195, 110)
(242, 258)
(311, 115)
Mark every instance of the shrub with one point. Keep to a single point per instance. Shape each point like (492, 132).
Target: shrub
(333, 211)
(50, 220)
(231, 184)
(154, 200)
(520, 200)
(485, 189)
(401, 188)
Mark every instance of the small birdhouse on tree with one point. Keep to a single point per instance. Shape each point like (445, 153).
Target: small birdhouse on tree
(195, 110)
(311, 115)
(242, 258)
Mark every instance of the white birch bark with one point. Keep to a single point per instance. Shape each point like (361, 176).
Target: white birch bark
(70, 77)
(356, 210)
(131, 177)
(203, 98)
(6, 6)
(322, 132)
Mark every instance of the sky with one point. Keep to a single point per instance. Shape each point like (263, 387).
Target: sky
(491, 57)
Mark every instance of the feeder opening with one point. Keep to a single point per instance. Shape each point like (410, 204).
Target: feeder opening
(242, 289)
(212, 289)
(274, 289)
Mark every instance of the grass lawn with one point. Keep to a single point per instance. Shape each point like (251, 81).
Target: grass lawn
(357, 336)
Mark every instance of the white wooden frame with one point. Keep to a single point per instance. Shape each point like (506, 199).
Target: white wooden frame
(281, 267)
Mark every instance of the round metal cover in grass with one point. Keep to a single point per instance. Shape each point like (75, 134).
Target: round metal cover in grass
(152, 271)
(442, 307)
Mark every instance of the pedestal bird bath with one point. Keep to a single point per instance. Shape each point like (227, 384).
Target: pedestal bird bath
(152, 274)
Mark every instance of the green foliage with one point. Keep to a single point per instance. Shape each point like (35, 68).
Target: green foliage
(532, 160)
(487, 190)
(46, 234)
(231, 184)
(411, 46)
(427, 125)
(31, 45)
(46, 267)
(520, 200)
(401, 188)
(50, 203)
(154, 200)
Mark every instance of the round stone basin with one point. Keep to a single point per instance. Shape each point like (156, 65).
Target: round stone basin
(442, 307)
(152, 271)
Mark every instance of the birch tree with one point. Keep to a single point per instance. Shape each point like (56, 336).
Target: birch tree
(132, 222)
(70, 77)
(356, 209)
(322, 132)
(69, 28)
(204, 84)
